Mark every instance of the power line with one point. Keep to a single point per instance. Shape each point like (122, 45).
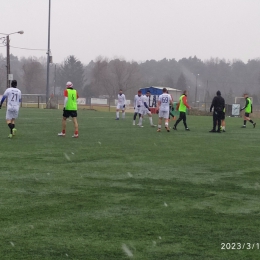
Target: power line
(28, 49)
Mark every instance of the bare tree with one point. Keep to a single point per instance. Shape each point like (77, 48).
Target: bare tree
(100, 77)
(125, 74)
(33, 79)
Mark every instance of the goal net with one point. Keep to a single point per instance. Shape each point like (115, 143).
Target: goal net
(39, 101)
(241, 101)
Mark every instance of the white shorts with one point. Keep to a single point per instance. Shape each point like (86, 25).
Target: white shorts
(120, 107)
(145, 111)
(138, 110)
(164, 114)
(12, 112)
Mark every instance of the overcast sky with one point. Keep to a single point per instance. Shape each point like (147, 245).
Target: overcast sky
(134, 29)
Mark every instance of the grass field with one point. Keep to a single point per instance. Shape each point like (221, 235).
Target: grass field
(123, 192)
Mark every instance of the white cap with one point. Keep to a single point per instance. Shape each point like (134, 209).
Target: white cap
(69, 84)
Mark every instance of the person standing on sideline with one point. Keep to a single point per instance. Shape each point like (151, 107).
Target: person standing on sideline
(218, 103)
(164, 103)
(248, 110)
(70, 109)
(14, 98)
(120, 104)
(145, 110)
(137, 105)
(182, 107)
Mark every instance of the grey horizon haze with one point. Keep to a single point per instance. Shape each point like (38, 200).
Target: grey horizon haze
(137, 30)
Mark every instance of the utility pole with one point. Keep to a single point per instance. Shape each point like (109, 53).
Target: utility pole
(8, 69)
(196, 88)
(54, 79)
(48, 56)
(7, 61)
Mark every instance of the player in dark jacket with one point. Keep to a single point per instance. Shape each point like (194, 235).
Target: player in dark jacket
(218, 103)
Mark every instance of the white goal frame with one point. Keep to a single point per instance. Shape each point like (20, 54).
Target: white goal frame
(236, 98)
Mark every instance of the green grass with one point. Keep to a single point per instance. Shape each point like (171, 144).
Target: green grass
(175, 195)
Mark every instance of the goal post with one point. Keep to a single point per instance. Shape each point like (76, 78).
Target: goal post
(38, 101)
(241, 100)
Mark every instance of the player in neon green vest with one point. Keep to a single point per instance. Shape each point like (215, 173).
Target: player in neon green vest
(182, 107)
(70, 109)
(248, 109)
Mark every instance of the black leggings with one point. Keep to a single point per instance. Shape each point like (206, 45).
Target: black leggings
(182, 117)
(135, 114)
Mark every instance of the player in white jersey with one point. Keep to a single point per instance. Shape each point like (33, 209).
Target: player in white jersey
(145, 109)
(14, 98)
(137, 105)
(120, 104)
(164, 103)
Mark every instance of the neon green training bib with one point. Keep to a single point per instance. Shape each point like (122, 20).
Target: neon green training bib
(72, 100)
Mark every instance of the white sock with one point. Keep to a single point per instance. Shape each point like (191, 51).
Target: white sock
(140, 121)
(123, 114)
(159, 126)
(166, 124)
(117, 114)
(151, 120)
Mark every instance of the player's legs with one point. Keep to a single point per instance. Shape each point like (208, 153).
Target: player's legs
(10, 125)
(215, 121)
(170, 113)
(165, 115)
(166, 123)
(123, 113)
(140, 120)
(143, 113)
(150, 118)
(184, 121)
(117, 111)
(14, 112)
(223, 122)
(11, 114)
(117, 114)
(178, 121)
(76, 127)
(159, 124)
(13, 125)
(63, 131)
(223, 125)
(247, 118)
(134, 118)
(66, 114)
(218, 121)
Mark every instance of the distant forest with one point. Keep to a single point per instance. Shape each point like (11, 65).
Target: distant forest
(104, 77)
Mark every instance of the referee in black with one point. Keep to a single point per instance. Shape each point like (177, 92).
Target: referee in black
(218, 103)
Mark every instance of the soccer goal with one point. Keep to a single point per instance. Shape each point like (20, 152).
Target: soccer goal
(39, 101)
(241, 100)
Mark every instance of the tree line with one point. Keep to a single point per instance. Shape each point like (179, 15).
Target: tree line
(103, 77)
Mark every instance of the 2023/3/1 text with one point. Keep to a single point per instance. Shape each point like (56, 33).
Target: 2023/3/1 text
(239, 246)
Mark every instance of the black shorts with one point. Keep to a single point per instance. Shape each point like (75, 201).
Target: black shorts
(68, 113)
(246, 114)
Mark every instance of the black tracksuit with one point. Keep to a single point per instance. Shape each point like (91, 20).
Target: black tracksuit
(218, 103)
